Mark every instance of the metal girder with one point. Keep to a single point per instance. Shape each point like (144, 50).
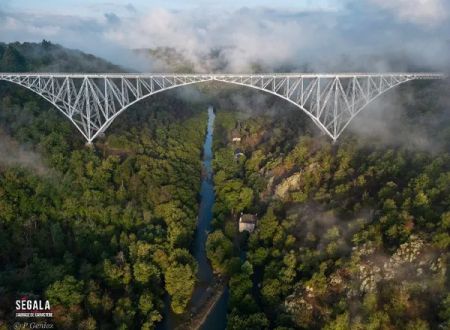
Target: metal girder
(93, 101)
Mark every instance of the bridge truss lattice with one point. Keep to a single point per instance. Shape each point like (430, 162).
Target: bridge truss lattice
(93, 101)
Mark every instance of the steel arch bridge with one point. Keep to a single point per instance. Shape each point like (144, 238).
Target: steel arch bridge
(92, 101)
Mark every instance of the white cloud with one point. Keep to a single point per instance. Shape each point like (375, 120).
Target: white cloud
(425, 12)
(277, 38)
(15, 24)
(327, 39)
(244, 36)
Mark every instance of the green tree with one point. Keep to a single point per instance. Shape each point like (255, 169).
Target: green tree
(66, 292)
(219, 250)
(180, 281)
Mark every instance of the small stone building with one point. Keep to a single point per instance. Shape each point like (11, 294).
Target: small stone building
(247, 222)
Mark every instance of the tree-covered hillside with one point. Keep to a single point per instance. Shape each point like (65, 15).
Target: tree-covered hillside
(48, 57)
(352, 235)
(102, 232)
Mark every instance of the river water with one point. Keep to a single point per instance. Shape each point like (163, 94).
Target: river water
(217, 317)
(205, 273)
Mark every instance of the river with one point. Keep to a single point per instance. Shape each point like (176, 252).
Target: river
(216, 318)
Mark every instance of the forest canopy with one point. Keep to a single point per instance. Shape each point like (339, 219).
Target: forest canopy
(351, 235)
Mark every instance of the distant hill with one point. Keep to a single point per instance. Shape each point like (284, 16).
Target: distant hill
(166, 59)
(49, 57)
(170, 59)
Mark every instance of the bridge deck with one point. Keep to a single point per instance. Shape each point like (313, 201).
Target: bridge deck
(417, 75)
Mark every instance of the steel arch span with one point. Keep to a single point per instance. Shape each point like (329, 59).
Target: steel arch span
(92, 101)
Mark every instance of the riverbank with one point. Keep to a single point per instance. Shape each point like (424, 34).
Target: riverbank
(209, 288)
(200, 316)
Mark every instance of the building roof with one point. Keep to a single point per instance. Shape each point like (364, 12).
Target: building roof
(247, 218)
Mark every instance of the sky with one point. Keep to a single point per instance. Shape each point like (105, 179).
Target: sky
(381, 35)
(83, 6)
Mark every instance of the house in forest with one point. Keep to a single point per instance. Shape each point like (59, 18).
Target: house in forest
(247, 222)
